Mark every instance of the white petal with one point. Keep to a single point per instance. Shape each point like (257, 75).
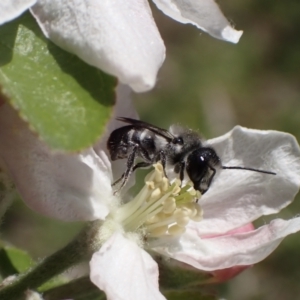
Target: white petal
(119, 37)
(205, 14)
(64, 186)
(238, 197)
(228, 251)
(10, 9)
(124, 271)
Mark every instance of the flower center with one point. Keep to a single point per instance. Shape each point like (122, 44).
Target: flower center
(160, 208)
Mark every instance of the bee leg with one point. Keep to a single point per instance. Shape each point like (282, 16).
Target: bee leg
(118, 180)
(141, 165)
(181, 172)
(125, 176)
(137, 166)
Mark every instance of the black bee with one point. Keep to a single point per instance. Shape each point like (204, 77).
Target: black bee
(180, 150)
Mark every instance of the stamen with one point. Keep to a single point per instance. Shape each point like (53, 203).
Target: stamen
(158, 231)
(155, 195)
(169, 205)
(160, 208)
(163, 220)
(176, 230)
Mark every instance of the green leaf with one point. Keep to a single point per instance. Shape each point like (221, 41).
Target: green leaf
(53, 283)
(66, 101)
(6, 266)
(176, 275)
(78, 289)
(13, 261)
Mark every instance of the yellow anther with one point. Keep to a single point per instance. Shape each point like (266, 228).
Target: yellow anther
(158, 168)
(155, 194)
(169, 205)
(192, 192)
(169, 200)
(183, 221)
(199, 214)
(193, 213)
(150, 185)
(158, 177)
(180, 213)
(165, 184)
(190, 206)
(152, 219)
(158, 173)
(169, 209)
(176, 230)
(188, 210)
(176, 190)
(159, 231)
(161, 216)
(161, 208)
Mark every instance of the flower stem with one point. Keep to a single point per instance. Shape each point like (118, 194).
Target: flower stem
(76, 251)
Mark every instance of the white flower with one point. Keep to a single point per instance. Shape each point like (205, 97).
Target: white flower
(78, 187)
(118, 36)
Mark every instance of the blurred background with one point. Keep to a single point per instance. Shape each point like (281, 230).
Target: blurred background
(211, 85)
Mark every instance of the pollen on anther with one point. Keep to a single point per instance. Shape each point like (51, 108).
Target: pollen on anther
(165, 184)
(176, 190)
(150, 185)
(159, 231)
(169, 205)
(155, 194)
(153, 219)
(198, 215)
(176, 230)
(164, 208)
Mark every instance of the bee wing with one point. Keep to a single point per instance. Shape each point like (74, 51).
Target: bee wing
(160, 131)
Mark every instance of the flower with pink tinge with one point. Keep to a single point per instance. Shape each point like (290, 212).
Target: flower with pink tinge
(228, 273)
(78, 187)
(120, 37)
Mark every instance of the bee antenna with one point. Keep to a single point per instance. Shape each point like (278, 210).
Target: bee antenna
(248, 169)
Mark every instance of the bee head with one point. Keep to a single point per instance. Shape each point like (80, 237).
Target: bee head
(201, 166)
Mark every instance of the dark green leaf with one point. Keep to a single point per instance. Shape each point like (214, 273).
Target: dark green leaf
(79, 289)
(66, 101)
(176, 275)
(187, 294)
(6, 266)
(13, 261)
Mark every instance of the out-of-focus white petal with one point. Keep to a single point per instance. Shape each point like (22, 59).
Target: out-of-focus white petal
(33, 295)
(10, 9)
(125, 271)
(117, 36)
(64, 186)
(205, 14)
(227, 251)
(238, 197)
